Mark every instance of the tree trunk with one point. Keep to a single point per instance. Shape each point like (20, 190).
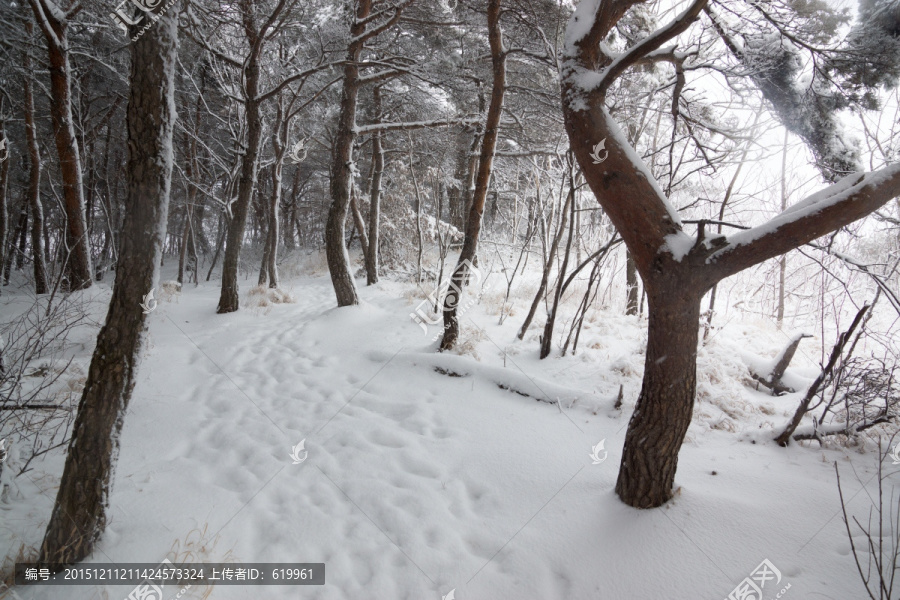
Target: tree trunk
(664, 408)
(4, 213)
(342, 167)
(473, 224)
(228, 299)
(78, 261)
(631, 282)
(375, 195)
(79, 515)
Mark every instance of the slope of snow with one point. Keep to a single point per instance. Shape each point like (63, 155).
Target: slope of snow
(428, 473)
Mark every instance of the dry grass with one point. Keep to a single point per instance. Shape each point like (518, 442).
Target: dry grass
(262, 297)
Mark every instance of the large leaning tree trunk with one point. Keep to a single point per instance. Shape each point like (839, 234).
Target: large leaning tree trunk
(54, 22)
(676, 268)
(482, 180)
(79, 515)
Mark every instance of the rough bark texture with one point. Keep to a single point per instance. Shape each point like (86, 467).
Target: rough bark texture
(663, 411)
(647, 223)
(78, 262)
(228, 299)
(79, 515)
(342, 166)
(482, 180)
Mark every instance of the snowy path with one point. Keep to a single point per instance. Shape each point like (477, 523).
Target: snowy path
(418, 482)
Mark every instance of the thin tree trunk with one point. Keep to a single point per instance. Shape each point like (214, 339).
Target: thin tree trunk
(342, 166)
(13, 253)
(473, 224)
(782, 261)
(547, 337)
(375, 195)
(631, 282)
(79, 514)
(548, 266)
(228, 299)
(78, 263)
(4, 213)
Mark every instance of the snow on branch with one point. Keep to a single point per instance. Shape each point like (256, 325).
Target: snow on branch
(649, 45)
(361, 130)
(851, 198)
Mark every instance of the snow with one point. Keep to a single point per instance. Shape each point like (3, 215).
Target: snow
(831, 195)
(580, 24)
(678, 245)
(418, 482)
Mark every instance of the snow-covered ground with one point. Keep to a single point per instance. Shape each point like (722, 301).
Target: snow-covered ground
(429, 473)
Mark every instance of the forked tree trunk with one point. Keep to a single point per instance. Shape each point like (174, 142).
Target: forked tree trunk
(488, 143)
(78, 261)
(665, 405)
(79, 514)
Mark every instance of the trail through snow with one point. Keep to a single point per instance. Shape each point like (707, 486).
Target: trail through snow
(424, 475)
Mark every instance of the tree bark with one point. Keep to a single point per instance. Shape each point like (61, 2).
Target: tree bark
(342, 166)
(78, 261)
(631, 282)
(79, 515)
(676, 269)
(4, 212)
(665, 405)
(488, 144)
(228, 299)
(375, 195)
